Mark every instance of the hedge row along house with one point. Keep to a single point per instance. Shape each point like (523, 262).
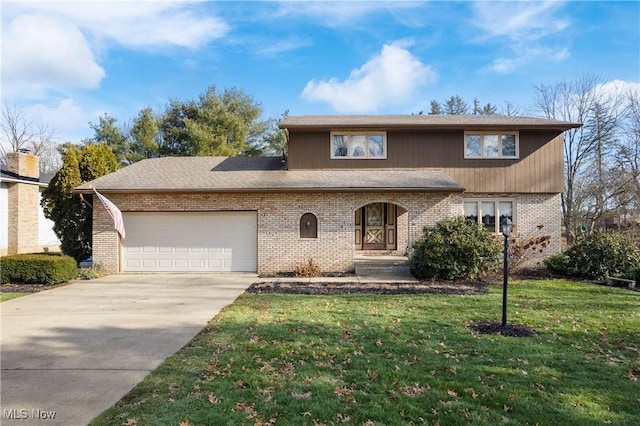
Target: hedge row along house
(350, 185)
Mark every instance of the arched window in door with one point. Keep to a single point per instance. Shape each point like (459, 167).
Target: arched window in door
(308, 226)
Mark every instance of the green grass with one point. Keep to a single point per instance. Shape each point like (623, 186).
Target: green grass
(390, 360)
(9, 296)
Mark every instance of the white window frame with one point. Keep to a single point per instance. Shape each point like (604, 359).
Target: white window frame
(363, 157)
(496, 202)
(499, 134)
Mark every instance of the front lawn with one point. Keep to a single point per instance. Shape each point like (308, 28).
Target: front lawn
(410, 359)
(9, 296)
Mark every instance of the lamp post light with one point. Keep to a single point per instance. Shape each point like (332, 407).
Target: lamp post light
(506, 227)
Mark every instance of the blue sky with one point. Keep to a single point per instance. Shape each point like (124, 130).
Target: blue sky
(67, 63)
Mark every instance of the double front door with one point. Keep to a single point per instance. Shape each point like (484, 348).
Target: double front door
(376, 227)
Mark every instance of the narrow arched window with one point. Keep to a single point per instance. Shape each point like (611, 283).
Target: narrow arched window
(308, 226)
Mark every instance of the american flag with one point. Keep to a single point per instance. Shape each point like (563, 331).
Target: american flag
(114, 212)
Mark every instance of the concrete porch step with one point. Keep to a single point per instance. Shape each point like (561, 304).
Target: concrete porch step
(387, 268)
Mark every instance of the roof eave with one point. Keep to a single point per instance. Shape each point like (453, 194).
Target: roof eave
(27, 182)
(268, 190)
(337, 126)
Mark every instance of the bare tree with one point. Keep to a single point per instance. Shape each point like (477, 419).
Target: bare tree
(627, 163)
(21, 132)
(510, 109)
(580, 101)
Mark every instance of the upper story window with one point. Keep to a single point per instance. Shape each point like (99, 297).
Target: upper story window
(491, 145)
(358, 145)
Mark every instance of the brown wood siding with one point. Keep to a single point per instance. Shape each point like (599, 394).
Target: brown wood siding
(539, 168)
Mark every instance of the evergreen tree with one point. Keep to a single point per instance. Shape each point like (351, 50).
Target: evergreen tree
(145, 135)
(489, 109)
(72, 217)
(455, 105)
(476, 107)
(224, 123)
(107, 132)
(96, 160)
(435, 108)
(276, 139)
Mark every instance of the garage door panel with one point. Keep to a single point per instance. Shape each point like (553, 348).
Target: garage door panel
(164, 264)
(149, 263)
(214, 241)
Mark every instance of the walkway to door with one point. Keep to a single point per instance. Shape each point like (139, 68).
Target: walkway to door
(383, 268)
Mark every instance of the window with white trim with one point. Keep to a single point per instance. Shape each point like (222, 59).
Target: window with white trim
(491, 145)
(359, 145)
(489, 212)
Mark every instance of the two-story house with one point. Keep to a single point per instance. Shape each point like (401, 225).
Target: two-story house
(350, 185)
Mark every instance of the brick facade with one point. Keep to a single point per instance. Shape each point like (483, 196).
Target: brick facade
(535, 216)
(280, 247)
(24, 204)
(539, 215)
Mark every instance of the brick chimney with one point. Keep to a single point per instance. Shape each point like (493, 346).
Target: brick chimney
(24, 199)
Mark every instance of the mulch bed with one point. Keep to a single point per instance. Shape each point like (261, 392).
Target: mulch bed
(325, 288)
(495, 327)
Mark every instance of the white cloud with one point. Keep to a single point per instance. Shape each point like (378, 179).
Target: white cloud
(615, 94)
(524, 28)
(342, 13)
(143, 24)
(525, 55)
(518, 20)
(40, 53)
(56, 46)
(67, 114)
(617, 88)
(388, 78)
(274, 48)
(504, 65)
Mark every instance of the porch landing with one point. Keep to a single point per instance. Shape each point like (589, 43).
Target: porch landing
(383, 268)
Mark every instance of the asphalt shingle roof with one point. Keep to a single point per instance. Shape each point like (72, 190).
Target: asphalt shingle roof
(43, 180)
(241, 174)
(447, 121)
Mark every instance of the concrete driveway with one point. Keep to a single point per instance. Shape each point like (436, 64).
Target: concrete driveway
(69, 353)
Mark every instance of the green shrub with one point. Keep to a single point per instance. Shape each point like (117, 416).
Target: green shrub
(454, 248)
(37, 268)
(559, 263)
(597, 256)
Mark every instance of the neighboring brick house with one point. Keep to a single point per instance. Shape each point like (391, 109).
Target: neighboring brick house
(350, 185)
(23, 226)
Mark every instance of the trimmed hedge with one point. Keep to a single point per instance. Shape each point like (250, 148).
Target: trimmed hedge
(37, 268)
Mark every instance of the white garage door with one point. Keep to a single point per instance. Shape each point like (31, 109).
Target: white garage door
(177, 242)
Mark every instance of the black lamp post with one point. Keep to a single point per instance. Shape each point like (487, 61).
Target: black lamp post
(505, 226)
